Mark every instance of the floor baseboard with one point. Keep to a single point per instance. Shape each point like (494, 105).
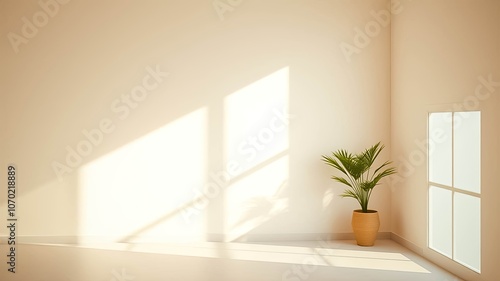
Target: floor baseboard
(32, 239)
(407, 244)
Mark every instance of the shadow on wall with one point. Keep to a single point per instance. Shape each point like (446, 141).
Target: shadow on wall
(153, 123)
(172, 168)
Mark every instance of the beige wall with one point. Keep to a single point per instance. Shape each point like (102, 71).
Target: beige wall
(229, 80)
(439, 49)
(239, 67)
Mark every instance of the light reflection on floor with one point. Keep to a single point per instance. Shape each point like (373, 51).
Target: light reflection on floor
(319, 254)
(271, 261)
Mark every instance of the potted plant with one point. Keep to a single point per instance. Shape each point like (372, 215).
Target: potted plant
(361, 178)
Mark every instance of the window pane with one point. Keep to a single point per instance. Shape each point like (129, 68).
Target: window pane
(467, 230)
(440, 148)
(440, 219)
(467, 151)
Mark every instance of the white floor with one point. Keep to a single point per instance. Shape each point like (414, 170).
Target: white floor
(284, 261)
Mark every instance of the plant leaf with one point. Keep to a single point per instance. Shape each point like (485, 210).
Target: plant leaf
(356, 168)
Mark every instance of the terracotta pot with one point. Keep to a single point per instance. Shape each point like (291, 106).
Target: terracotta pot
(365, 227)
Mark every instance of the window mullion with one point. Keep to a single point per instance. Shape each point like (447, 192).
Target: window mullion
(453, 185)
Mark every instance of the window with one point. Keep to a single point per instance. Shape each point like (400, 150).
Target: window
(454, 182)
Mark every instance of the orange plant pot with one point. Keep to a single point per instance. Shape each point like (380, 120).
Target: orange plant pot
(365, 227)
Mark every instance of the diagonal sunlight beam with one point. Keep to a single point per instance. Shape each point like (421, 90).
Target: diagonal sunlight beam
(136, 190)
(256, 121)
(153, 224)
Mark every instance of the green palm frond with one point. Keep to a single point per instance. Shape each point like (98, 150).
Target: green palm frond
(356, 168)
(349, 193)
(382, 166)
(342, 180)
(367, 185)
(350, 163)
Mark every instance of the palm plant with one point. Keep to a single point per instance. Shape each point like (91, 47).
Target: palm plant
(357, 171)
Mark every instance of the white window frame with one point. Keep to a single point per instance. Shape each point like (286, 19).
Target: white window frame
(451, 188)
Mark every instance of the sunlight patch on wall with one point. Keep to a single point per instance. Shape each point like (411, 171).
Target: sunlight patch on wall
(256, 141)
(256, 121)
(136, 192)
(256, 199)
